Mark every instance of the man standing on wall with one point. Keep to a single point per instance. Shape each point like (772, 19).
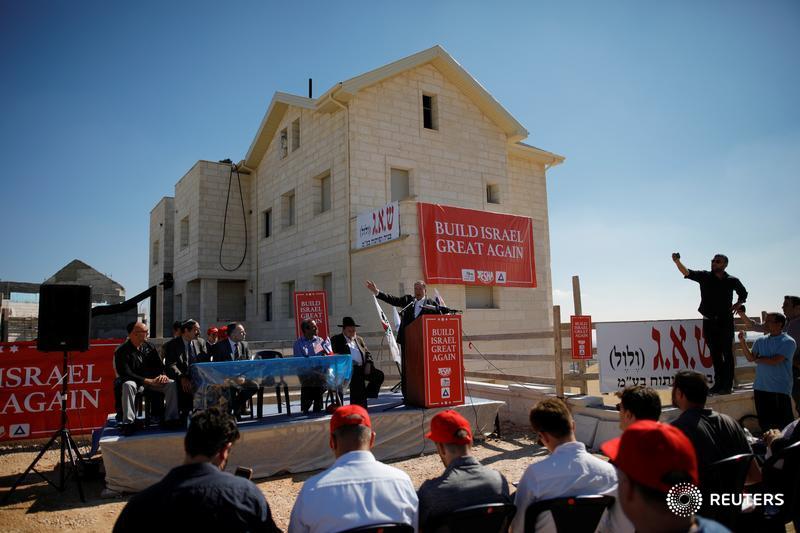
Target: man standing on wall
(716, 295)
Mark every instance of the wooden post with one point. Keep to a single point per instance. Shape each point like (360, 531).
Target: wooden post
(576, 299)
(557, 351)
(576, 295)
(158, 320)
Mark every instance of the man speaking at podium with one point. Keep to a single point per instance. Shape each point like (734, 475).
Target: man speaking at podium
(410, 308)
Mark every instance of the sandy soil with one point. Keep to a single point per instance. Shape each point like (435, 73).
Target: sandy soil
(36, 506)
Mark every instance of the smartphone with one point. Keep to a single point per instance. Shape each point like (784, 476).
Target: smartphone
(244, 472)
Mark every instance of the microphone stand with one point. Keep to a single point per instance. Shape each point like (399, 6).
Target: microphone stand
(68, 446)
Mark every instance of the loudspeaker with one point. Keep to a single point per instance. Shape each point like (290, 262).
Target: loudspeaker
(64, 317)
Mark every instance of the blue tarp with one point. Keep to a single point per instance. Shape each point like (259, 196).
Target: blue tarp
(214, 380)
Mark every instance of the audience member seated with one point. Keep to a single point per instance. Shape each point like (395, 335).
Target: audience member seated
(139, 368)
(212, 335)
(198, 495)
(178, 355)
(357, 490)
(651, 458)
(776, 440)
(465, 481)
(638, 403)
(714, 436)
(569, 470)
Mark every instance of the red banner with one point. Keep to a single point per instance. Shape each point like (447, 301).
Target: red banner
(444, 361)
(314, 305)
(469, 247)
(30, 389)
(580, 327)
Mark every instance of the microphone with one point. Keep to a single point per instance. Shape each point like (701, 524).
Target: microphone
(440, 309)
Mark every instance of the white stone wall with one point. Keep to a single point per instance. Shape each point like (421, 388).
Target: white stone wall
(317, 242)
(451, 166)
(162, 224)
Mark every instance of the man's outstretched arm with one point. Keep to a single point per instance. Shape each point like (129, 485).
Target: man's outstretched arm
(676, 258)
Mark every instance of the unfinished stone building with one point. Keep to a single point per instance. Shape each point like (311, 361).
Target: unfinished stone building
(421, 129)
(19, 307)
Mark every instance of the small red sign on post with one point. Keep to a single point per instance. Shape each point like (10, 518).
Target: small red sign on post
(444, 361)
(581, 335)
(314, 305)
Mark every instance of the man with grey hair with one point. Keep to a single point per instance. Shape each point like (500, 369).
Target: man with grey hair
(357, 490)
(410, 308)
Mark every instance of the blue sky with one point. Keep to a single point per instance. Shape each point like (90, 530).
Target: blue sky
(680, 122)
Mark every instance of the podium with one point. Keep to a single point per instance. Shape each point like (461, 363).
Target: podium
(434, 361)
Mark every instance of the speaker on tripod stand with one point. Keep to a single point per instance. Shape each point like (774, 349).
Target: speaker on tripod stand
(64, 321)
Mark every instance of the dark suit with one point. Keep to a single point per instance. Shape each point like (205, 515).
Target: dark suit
(177, 363)
(358, 385)
(223, 351)
(406, 304)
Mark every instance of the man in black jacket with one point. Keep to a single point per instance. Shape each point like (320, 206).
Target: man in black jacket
(716, 296)
(198, 495)
(410, 308)
(139, 367)
(179, 354)
(349, 343)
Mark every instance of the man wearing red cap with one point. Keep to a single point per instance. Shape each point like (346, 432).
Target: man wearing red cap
(212, 335)
(569, 470)
(465, 481)
(651, 458)
(357, 490)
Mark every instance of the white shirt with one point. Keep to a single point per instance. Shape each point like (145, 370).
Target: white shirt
(355, 353)
(569, 471)
(418, 306)
(356, 491)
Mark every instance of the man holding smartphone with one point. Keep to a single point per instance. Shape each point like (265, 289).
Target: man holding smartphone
(716, 294)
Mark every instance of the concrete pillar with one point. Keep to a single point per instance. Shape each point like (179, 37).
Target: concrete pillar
(208, 303)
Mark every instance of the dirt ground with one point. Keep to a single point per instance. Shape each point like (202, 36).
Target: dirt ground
(36, 506)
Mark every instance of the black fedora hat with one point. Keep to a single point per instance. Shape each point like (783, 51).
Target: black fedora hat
(348, 321)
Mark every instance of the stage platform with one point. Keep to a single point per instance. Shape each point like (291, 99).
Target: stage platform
(278, 443)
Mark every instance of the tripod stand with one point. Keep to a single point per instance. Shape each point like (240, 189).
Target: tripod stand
(68, 447)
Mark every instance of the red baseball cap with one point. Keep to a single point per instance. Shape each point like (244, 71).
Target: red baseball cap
(350, 415)
(650, 452)
(445, 427)
(212, 330)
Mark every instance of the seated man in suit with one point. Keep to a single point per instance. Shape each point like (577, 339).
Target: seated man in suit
(349, 343)
(179, 354)
(234, 348)
(309, 345)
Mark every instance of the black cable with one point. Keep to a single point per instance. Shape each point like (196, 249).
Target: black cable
(225, 219)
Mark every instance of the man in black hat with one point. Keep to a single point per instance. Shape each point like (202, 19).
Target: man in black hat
(349, 343)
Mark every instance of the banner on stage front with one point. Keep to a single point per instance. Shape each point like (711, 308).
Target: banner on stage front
(30, 389)
(650, 353)
(313, 305)
(469, 247)
(378, 226)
